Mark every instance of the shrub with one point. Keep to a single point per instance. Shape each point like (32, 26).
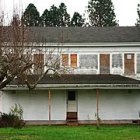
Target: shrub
(13, 119)
(17, 111)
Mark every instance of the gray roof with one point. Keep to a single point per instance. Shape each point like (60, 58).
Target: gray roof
(83, 34)
(81, 79)
(86, 34)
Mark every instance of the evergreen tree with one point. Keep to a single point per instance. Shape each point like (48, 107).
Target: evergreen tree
(64, 17)
(101, 13)
(54, 16)
(77, 20)
(45, 19)
(138, 11)
(31, 16)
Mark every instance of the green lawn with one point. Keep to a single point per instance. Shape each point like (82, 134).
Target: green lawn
(71, 133)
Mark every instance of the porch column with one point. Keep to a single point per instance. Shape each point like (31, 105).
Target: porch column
(49, 106)
(97, 107)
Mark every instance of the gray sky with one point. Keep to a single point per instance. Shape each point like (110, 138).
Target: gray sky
(126, 10)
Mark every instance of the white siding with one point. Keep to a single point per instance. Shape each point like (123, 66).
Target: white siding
(113, 104)
(119, 104)
(58, 107)
(35, 105)
(86, 104)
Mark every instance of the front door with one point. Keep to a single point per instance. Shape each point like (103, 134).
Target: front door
(71, 106)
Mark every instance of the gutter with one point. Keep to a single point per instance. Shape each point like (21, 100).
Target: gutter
(75, 86)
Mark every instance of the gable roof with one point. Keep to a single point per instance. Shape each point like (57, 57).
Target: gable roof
(81, 34)
(86, 34)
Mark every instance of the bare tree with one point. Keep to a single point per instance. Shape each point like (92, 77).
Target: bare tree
(19, 60)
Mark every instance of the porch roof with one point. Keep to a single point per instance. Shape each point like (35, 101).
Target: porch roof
(87, 79)
(67, 81)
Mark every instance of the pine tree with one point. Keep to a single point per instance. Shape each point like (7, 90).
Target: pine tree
(77, 20)
(31, 16)
(45, 19)
(138, 11)
(101, 13)
(64, 17)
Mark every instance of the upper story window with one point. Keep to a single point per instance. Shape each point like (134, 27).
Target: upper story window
(38, 63)
(52, 60)
(69, 60)
(88, 61)
(117, 61)
(65, 60)
(73, 60)
(138, 63)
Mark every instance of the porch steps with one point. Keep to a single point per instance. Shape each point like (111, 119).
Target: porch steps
(72, 119)
(72, 124)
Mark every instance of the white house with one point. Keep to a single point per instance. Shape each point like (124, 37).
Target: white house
(104, 65)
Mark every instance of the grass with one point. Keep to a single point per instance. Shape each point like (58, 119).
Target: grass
(71, 133)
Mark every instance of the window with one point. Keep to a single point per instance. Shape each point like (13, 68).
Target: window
(69, 60)
(65, 60)
(28, 58)
(138, 63)
(52, 60)
(38, 63)
(71, 96)
(117, 61)
(88, 61)
(73, 60)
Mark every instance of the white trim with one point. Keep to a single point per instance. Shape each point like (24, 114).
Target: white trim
(84, 68)
(76, 86)
(111, 68)
(135, 63)
(108, 44)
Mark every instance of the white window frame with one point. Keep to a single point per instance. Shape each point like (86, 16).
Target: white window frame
(113, 69)
(84, 68)
(136, 60)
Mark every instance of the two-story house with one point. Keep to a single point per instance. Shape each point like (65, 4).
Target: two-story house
(103, 77)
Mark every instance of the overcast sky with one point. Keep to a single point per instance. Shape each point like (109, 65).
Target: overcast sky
(126, 10)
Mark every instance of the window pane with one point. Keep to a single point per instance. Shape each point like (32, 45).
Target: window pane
(73, 60)
(116, 60)
(88, 61)
(71, 96)
(138, 63)
(65, 60)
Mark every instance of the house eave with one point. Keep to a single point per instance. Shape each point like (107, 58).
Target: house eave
(92, 44)
(75, 86)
